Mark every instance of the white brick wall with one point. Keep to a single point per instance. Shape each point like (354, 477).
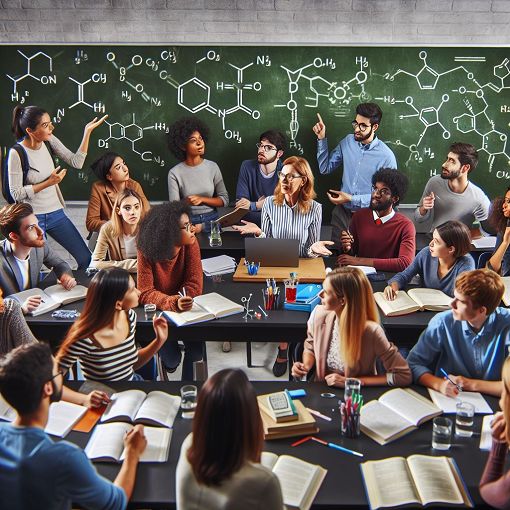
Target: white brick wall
(257, 21)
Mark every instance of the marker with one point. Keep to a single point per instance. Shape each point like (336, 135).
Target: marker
(336, 446)
(443, 371)
(184, 291)
(301, 441)
(316, 413)
(263, 312)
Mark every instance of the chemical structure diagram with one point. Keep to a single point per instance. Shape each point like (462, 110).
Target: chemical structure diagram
(476, 119)
(338, 94)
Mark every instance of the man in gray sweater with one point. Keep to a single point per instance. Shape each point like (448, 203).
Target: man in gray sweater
(450, 195)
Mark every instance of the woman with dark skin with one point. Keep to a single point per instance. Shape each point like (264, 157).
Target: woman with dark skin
(500, 219)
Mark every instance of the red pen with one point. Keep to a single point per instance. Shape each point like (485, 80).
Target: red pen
(301, 441)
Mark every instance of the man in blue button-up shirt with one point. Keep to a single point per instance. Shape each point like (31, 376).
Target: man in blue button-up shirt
(362, 154)
(469, 342)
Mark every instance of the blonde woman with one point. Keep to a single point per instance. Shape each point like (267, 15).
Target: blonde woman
(291, 213)
(495, 483)
(116, 243)
(345, 338)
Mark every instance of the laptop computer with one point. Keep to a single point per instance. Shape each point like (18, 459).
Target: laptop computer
(272, 252)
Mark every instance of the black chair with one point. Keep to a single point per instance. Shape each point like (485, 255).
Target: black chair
(296, 354)
(483, 259)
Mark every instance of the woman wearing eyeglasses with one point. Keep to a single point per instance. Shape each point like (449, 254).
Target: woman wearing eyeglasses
(291, 213)
(170, 273)
(500, 219)
(195, 179)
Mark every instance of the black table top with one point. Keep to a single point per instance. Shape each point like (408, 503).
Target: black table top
(342, 487)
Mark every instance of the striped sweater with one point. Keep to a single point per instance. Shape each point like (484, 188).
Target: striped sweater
(105, 364)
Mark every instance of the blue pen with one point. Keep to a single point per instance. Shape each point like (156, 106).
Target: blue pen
(443, 371)
(336, 446)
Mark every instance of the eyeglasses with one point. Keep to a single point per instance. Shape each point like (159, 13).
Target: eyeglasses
(362, 127)
(187, 227)
(288, 177)
(267, 148)
(57, 374)
(381, 191)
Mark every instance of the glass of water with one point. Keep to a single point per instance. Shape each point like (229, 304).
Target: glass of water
(215, 234)
(351, 386)
(150, 311)
(188, 400)
(464, 419)
(441, 433)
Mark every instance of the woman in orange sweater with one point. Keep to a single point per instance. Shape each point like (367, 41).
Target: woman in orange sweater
(165, 268)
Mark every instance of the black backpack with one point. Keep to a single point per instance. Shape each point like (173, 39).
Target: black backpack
(25, 166)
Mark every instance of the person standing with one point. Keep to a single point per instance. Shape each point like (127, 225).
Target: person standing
(361, 154)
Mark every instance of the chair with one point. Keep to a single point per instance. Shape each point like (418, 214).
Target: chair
(296, 354)
(483, 259)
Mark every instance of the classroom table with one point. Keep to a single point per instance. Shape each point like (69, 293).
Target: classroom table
(343, 485)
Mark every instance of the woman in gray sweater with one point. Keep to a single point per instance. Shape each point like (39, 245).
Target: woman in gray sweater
(195, 179)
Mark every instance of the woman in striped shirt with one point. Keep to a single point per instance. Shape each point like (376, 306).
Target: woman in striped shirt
(103, 338)
(291, 213)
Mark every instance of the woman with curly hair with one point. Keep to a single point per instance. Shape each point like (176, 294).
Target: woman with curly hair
(195, 179)
(500, 219)
(168, 261)
(113, 175)
(291, 213)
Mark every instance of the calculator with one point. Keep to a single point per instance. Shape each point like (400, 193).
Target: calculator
(281, 405)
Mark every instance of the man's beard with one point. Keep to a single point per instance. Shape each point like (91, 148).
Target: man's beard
(265, 160)
(450, 175)
(382, 205)
(361, 137)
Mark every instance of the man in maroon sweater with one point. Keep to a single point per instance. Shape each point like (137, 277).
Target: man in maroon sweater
(379, 236)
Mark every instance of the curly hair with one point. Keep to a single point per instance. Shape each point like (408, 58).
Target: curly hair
(496, 217)
(160, 230)
(306, 193)
(395, 180)
(179, 133)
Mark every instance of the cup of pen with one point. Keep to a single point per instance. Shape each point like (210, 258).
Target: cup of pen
(271, 297)
(291, 288)
(252, 267)
(350, 416)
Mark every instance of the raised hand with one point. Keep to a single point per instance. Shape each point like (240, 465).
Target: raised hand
(320, 128)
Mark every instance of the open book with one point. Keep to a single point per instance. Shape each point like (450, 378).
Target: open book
(61, 418)
(107, 443)
(419, 479)
(412, 301)
(52, 297)
(232, 218)
(300, 480)
(395, 414)
(486, 432)
(156, 408)
(449, 404)
(205, 308)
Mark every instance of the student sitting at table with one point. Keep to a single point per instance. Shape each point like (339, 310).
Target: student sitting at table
(113, 175)
(37, 472)
(103, 337)
(292, 213)
(378, 236)
(170, 273)
(469, 342)
(495, 483)
(345, 338)
(219, 465)
(24, 251)
(116, 243)
(500, 219)
(195, 179)
(14, 330)
(439, 263)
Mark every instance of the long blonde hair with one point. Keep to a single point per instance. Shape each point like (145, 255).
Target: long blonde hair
(306, 193)
(505, 377)
(360, 307)
(116, 218)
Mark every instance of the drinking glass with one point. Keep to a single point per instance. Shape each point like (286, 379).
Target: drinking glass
(464, 419)
(290, 291)
(188, 400)
(441, 433)
(351, 386)
(215, 234)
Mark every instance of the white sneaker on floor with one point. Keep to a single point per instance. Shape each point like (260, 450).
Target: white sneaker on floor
(226, 347)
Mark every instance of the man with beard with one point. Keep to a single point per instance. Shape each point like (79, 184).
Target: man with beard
(362, 153)
(35, 471)
(451, 196)
(258, 177)
(378, 236)
(23, 253)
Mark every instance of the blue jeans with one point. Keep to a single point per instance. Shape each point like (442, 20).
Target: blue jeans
(196, 219)
(62, 229)
(170, 355)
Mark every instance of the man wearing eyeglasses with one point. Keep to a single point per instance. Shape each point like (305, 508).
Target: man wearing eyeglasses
(258, 177)
(379, 236)
(361, 153)
(35, 471)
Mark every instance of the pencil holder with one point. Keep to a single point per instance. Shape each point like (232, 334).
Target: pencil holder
(349, 422)
(271, 299)
(252, 268)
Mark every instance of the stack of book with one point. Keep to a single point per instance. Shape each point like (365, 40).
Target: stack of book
(302, 423)
(223, 264)
(307, 297)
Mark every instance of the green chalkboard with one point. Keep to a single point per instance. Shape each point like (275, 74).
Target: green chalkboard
(430, 97)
